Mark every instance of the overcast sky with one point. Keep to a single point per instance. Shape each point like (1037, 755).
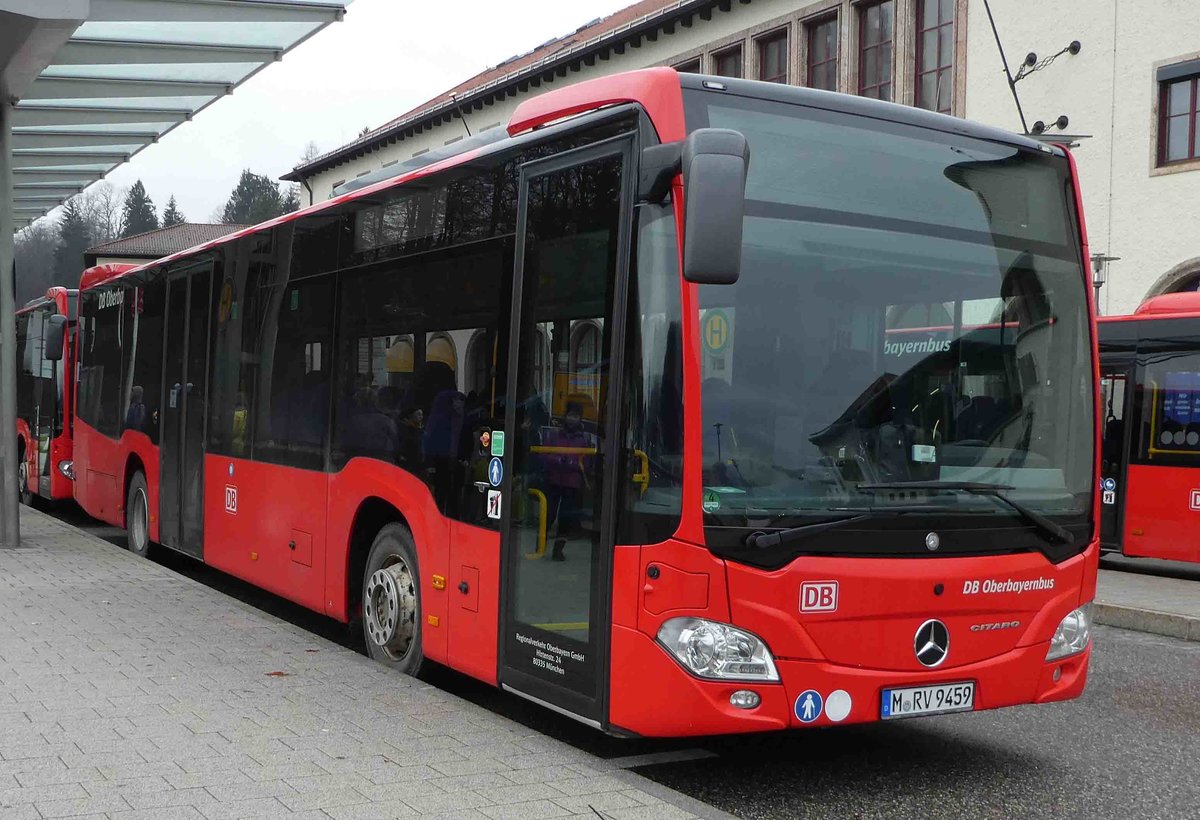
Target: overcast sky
(385, 57)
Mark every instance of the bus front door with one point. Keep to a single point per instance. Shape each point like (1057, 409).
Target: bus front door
(552, 481)
(185, 386)
(1115, 381)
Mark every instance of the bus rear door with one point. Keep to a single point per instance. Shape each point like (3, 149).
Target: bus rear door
(552, 483)
(185, 386)
(1116, 382)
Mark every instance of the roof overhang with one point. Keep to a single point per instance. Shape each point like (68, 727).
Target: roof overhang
(96, 81)
(557, 63)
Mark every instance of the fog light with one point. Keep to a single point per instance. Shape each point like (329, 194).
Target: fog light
(1073, 635)
(67, 468)
(745, 699)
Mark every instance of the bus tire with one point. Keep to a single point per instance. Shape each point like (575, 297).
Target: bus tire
(391, 602)
(24, 494)
(137, 517)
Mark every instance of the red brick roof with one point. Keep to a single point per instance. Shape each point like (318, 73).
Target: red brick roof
(163, 241)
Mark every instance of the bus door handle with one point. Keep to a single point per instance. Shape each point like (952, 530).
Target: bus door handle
(482, 486)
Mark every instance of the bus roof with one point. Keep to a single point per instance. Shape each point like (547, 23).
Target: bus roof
(52, 296)
(657, 90)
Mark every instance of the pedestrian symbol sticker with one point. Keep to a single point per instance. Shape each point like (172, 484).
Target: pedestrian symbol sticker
(808, 706)
(1109, 484)
(712, 501)
(716, 331)
(493, 504)
(495, 471)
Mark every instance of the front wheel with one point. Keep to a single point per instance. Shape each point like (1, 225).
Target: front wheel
(391, 605)
(24, 494)
(137, 517)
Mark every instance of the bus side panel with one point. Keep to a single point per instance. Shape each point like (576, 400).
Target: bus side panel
(1162, 513)
(61, 450)
(97, 486)
(473, 588)
(362, 479)
(265, 524)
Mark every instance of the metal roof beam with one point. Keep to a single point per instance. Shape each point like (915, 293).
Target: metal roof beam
(26, 114)
(62, 176)
(39, 201)
(69, 88)
(50, 159)
(128, 52)
(79, 139)
(213, 11)
(42, 192)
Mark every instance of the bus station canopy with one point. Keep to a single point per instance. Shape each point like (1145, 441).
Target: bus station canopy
(105, 78)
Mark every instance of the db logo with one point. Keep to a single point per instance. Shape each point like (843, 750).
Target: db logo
(819, 596)
(231, 500)
(1195, 503)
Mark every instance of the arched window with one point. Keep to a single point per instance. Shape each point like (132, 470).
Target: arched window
(479, 362)
(585, 347)
(440, 348)
(1182, 278)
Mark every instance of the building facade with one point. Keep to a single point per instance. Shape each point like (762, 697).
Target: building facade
(1131, 94)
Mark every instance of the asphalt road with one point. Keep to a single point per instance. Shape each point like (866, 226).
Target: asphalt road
(1127, 749)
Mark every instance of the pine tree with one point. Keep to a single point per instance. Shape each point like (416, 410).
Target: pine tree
(73, 241)
(255, 199)
(138, 215)
(171, 214)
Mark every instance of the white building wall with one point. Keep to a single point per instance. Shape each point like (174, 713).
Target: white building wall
(1149, 217)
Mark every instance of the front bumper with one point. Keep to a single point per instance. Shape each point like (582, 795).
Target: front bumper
(653, 696)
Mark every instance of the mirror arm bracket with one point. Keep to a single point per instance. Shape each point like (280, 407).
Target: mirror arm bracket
(659, 166)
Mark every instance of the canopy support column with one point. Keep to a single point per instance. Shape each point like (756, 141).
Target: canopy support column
(10, 525)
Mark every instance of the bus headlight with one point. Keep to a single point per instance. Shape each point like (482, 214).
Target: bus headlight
(709, 649)
(1072, 635)
(67, 468)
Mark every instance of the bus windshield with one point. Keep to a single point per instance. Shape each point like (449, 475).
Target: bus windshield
(911, 308)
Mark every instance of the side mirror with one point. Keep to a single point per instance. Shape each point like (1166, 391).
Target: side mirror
(715, 163)
(52, 338)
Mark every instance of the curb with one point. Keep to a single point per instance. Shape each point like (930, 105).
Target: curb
(1170, 624)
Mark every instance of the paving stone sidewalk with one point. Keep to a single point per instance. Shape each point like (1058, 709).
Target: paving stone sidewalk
(128, 691)
(1162, 597)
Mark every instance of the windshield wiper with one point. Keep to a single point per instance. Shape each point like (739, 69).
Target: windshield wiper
(764, 540)
(1044, 524)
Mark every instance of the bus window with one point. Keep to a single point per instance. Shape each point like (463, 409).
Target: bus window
(1168, 397)
(1112, 397)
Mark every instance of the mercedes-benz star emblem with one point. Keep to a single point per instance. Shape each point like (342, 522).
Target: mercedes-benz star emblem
(932, 643)
(932, 542)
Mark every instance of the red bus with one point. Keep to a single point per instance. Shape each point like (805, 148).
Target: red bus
(1150, 451)
(601, 408)
(45, 389)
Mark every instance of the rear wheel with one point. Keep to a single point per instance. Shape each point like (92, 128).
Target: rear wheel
(391, 605)
(23, 492)
(137, 517)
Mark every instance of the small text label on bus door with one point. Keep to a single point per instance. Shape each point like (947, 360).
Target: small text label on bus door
(1195, 501)
(819, 596)
(231, 500)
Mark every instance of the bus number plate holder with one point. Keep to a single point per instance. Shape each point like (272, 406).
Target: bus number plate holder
(911, 701)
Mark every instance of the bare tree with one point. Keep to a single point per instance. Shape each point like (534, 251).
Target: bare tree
(311, 152)
(35, 247)
(102, 205)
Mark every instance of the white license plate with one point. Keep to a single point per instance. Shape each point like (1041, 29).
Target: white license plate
(928, 700)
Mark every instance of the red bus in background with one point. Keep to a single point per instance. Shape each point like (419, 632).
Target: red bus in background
(45, 395)
(1150, 452)
(624, 387)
